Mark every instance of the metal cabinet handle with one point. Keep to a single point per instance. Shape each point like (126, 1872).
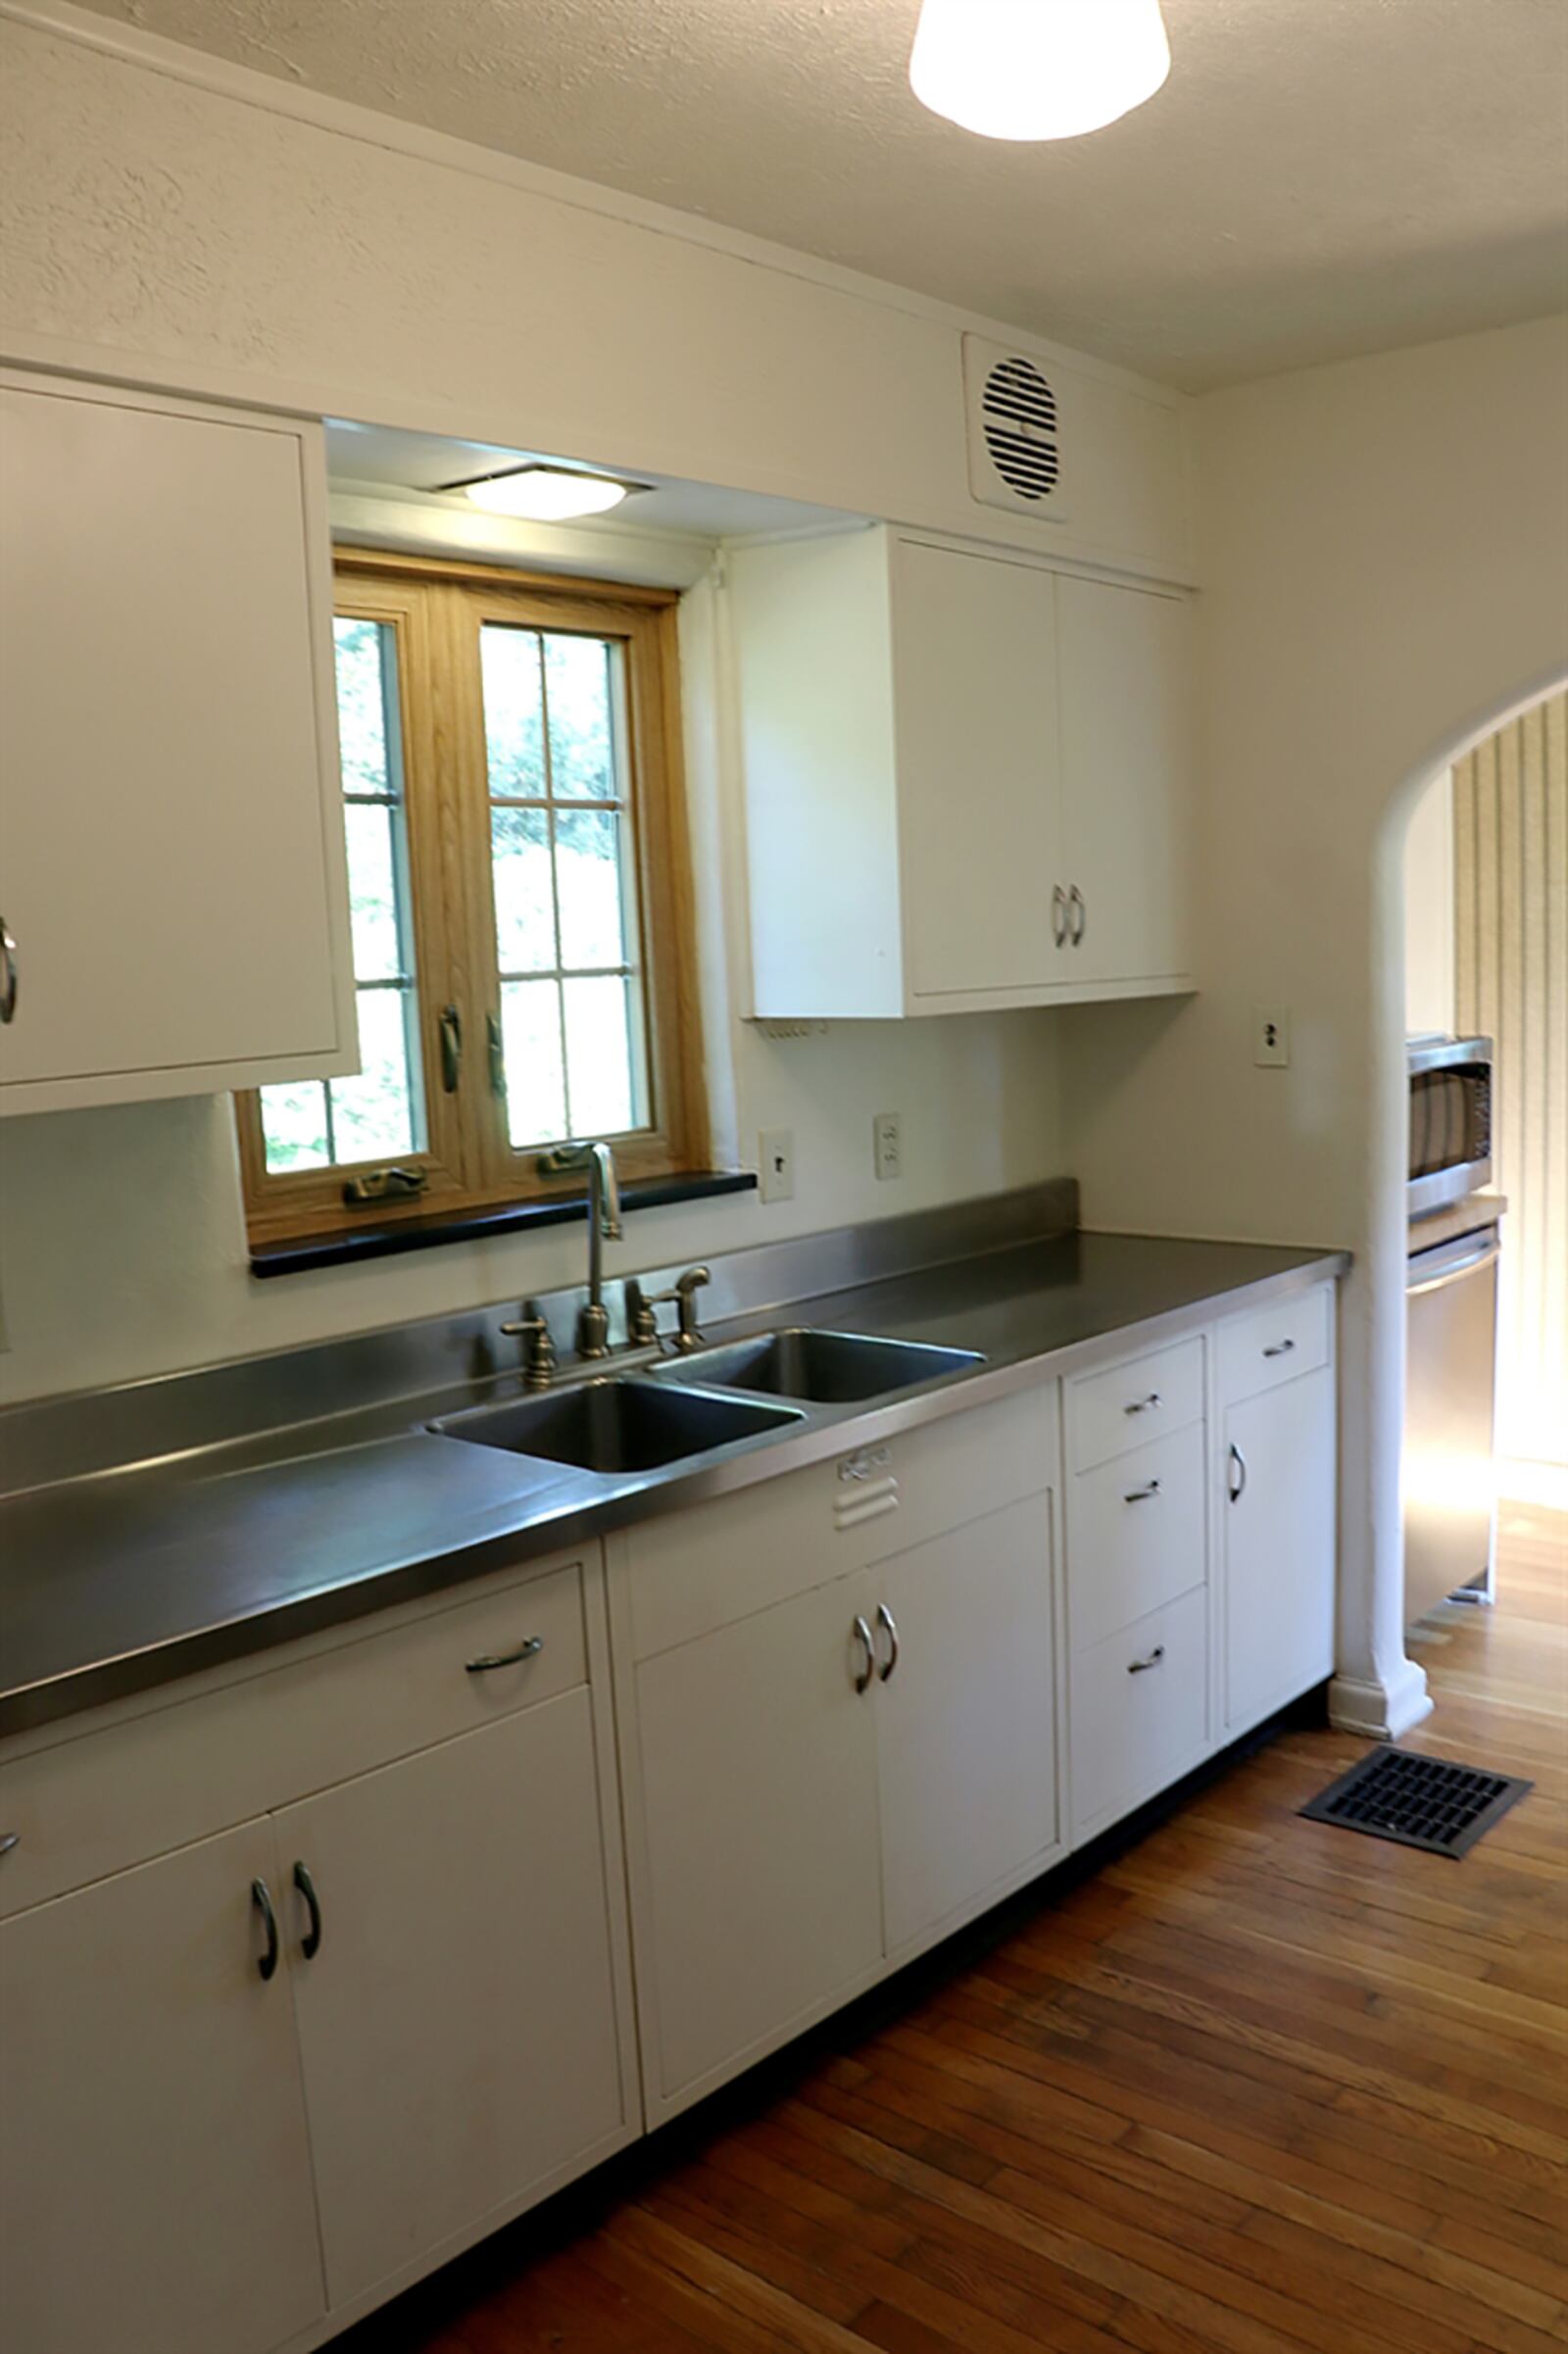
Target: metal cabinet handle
(8, 1841)
(862, 1682)
(1142, 1496)
(1141, 1667)
(1080, 915)
(261, 1898)
(1058, 916)
(885, 1618)
(1235, 1484)
(451, 1049)
(491, 1660)
(1280, 1348)
(8, 973)
(1144, 1405)
(311, 1942)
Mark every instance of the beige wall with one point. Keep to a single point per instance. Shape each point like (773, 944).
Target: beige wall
(1369, 606)
(1429, 909)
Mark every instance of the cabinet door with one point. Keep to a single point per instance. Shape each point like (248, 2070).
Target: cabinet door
(173, 866)
(458, 2020)
(1278, 1526)
(976, 657)
(965, 1724)
(155, 2173)
(1124, 658)
(754, 1794)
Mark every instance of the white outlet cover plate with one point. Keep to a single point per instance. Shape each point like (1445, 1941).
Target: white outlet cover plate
(886, 1139)
(1271, 1037)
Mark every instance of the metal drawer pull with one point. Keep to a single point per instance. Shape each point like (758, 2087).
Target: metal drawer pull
(1144, 1405)
(492, 1660)
(1236, 1484)
(862, 1682)
(261, 1898)
(1141, 1495)
(311, 1942)
(885, 1618)
(1280, 1348)
(8, 972)
(1141, 1667)
(8, 1841)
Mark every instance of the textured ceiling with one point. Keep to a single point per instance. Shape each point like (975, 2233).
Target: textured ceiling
(1319, 177)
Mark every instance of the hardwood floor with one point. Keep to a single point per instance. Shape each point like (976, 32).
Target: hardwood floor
(1256, 2085)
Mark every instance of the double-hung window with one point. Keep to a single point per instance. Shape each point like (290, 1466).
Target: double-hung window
(522, 967)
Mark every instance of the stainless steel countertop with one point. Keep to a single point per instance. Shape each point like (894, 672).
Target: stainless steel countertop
(117, 1581)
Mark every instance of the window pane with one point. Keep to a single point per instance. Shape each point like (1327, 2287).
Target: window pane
(598, 1053)
(294, 1126)
(373, 1114)
(526, 915)
(363, 659)
(513, 720)
(577, 680)
(588, 875)
(373, 892)
(530, 1030)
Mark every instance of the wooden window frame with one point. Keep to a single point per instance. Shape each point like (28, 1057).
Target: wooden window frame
(435, 610)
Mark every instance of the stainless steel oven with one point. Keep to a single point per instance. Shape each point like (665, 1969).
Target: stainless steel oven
(1451, 1121)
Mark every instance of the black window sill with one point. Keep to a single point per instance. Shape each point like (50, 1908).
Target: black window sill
(476, 1225)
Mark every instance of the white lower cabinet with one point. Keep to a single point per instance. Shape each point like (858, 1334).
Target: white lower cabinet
(966, 1717)
(458, 2019)
(1277, 1537)
(154, 2171)
(1140, 1705)
(757, 1809)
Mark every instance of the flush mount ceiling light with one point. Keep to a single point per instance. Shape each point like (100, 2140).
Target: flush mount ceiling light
(545, 494)
(1038, 69)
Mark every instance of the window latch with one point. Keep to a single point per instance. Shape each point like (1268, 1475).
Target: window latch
(387, 1184)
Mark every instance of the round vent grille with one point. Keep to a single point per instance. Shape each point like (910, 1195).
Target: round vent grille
(1020, 413)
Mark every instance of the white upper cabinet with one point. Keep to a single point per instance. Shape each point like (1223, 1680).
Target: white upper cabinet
(967, 779)
(171, 866)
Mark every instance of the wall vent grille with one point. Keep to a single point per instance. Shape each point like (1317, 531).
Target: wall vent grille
(1015, 430)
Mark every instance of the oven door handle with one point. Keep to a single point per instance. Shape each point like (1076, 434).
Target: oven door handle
(1471, 1255)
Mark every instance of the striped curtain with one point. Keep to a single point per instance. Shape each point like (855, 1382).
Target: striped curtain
(1511, 839)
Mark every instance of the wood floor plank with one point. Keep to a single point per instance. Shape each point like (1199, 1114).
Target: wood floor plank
(1256, 2086)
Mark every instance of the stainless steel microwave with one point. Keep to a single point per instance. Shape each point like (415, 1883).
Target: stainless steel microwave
(1451, 1121)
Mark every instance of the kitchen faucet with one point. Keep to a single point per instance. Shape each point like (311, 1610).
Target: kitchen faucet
(604, 1226)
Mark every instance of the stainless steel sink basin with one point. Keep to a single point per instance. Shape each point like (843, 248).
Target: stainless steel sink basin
(820, 1368)
(613, 1425)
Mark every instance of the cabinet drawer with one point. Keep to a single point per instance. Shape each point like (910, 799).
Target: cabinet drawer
(1274, 1344)
(1135, 1535)
(1140, 1712)
(1110, 1413)
(131, 1790)
(696, 1571)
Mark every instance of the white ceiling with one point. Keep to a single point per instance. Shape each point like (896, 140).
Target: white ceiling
(1319, 177)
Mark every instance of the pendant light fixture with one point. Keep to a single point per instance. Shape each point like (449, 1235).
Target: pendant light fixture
(1038, 69)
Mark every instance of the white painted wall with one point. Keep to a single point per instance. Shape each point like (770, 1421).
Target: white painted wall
(1429, 936)
(1369, 607)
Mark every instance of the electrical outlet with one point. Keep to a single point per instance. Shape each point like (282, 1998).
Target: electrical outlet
(888, 1144)
(1271, 1037)
(775, 1158)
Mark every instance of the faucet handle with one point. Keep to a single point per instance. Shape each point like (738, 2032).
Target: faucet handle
(539, 1354)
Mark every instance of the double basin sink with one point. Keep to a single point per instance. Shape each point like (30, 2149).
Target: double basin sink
(688, 1406)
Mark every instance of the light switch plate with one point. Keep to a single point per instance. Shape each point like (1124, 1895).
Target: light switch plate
(775, 1164)
(1271, 1037)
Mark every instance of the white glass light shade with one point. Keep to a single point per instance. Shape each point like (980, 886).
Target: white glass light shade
(1038, 69)
(548, 494)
